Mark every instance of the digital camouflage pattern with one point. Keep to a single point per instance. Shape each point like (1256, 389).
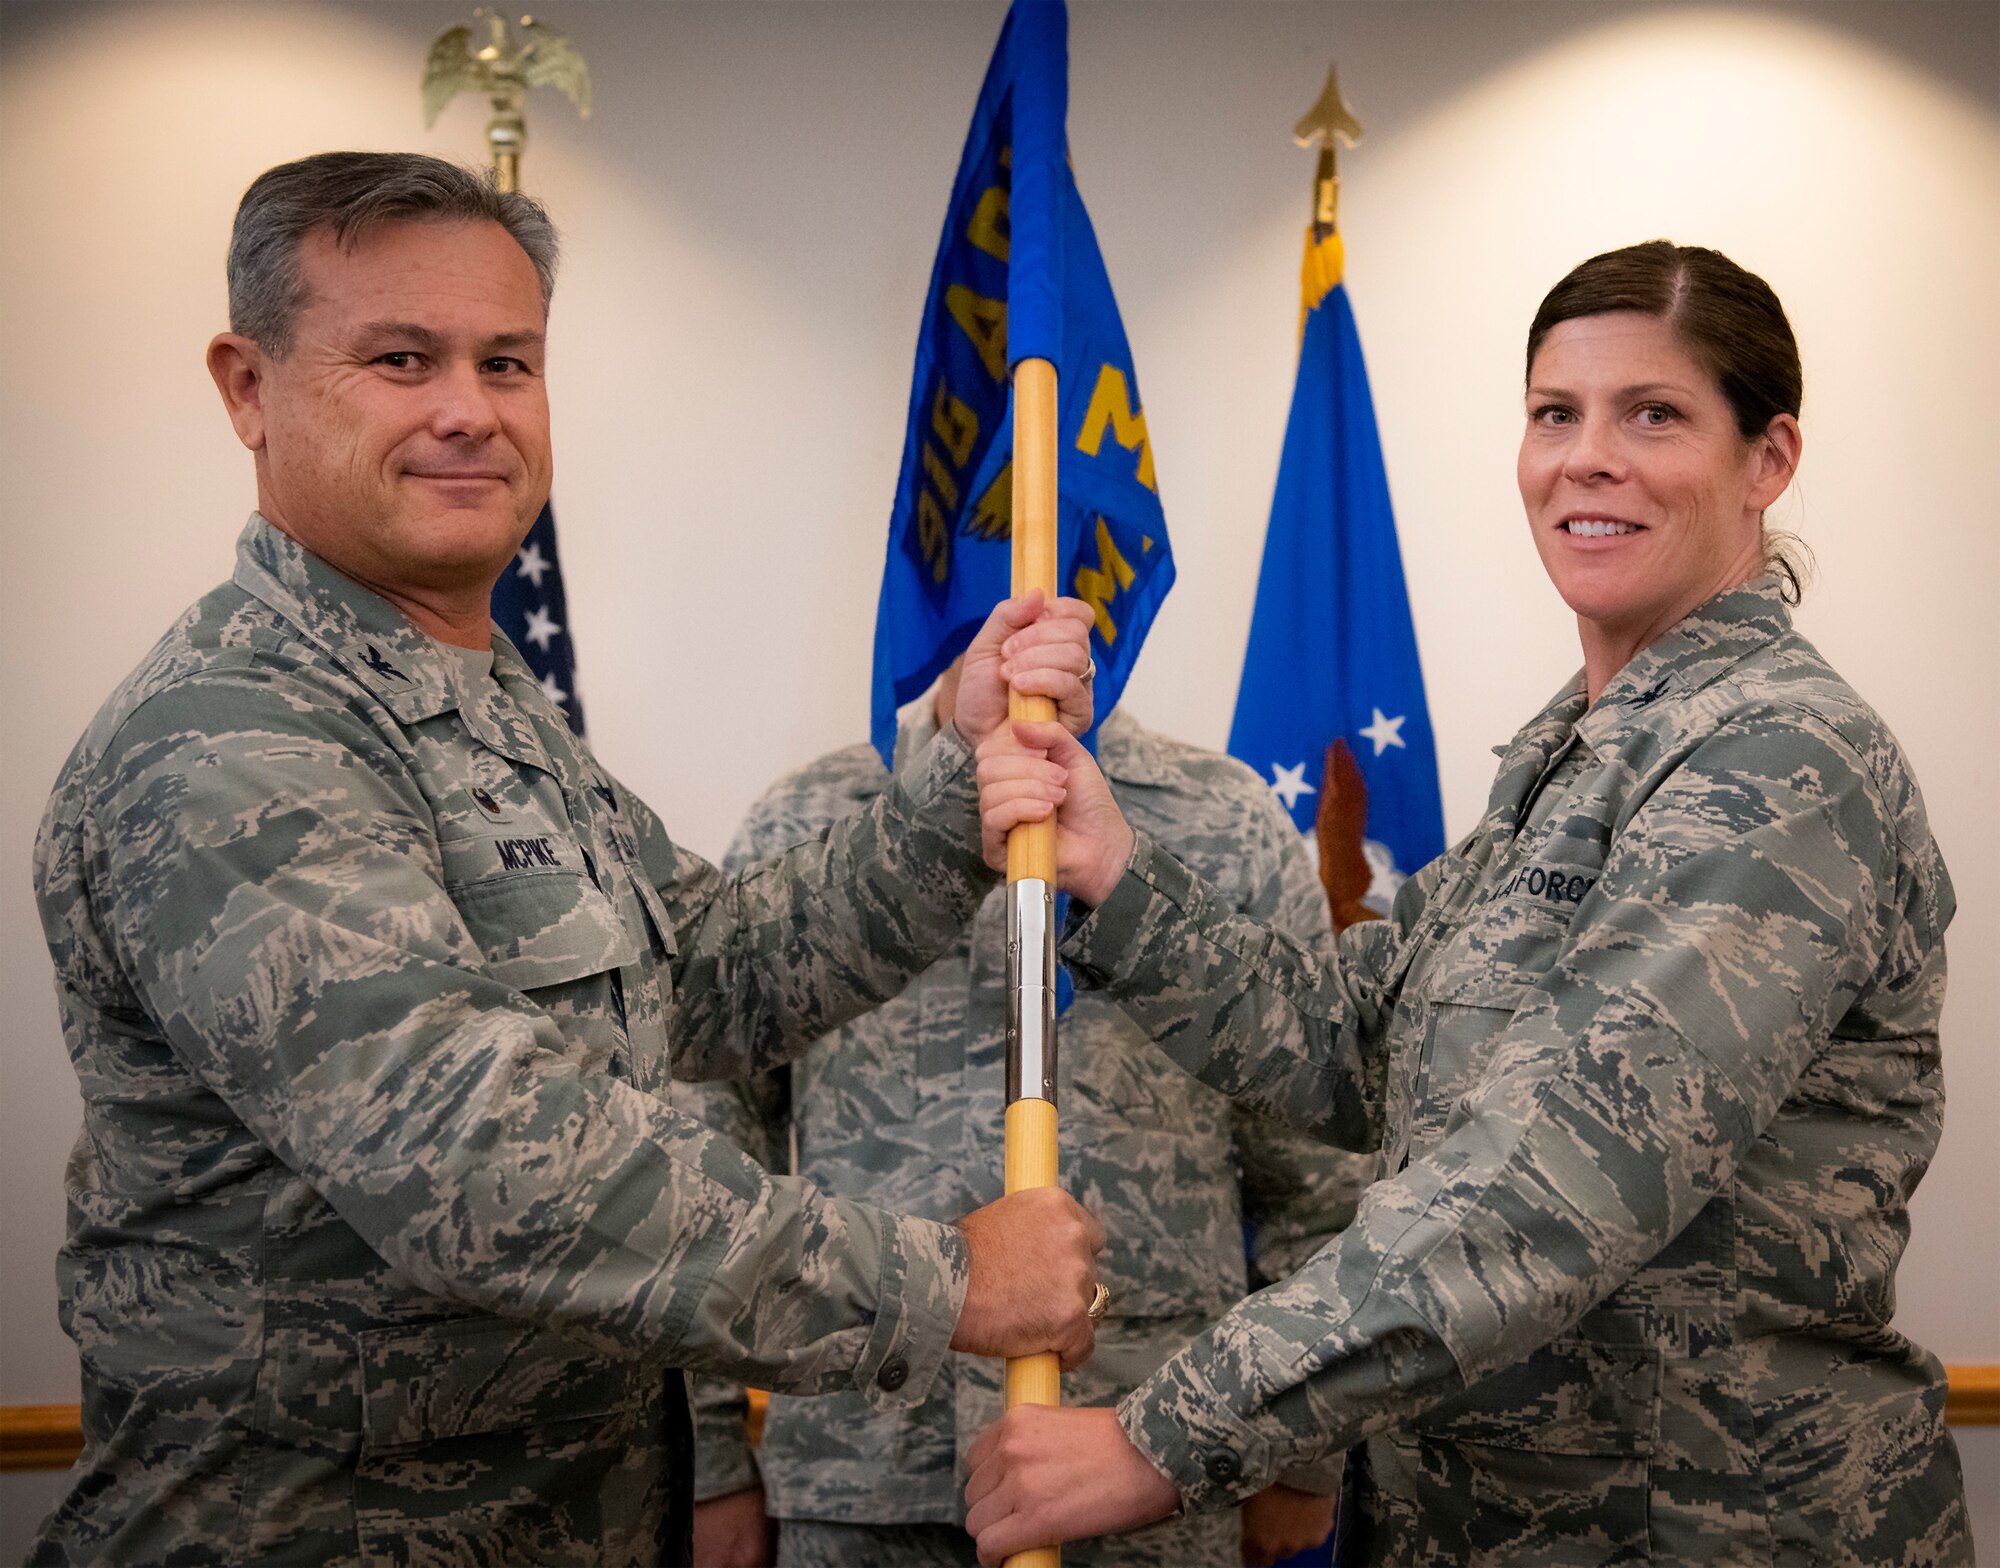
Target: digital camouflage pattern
(384, 1240)
(905, 1105)
(1652, 1058)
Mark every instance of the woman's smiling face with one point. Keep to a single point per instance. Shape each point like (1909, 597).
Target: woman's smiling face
(1644, 498)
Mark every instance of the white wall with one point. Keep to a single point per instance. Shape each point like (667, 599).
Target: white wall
(751, 215)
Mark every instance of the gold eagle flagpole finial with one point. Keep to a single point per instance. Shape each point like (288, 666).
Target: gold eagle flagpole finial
(1325, 122)
(503, 68)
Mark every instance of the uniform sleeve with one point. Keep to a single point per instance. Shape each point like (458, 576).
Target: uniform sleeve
(1298, 1193)
(774, 956)
(269, 875)
(1738, 915)
(755, 1114)
(1247, 1008)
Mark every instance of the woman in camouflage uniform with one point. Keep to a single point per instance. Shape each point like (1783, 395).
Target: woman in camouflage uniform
(1651, 1054)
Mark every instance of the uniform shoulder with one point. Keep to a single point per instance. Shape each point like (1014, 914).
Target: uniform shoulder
(803, 803)
(1135, 755)
(1209, 809)
(228, 666)
(1790, 678)
(225, 630)
(1788, 693)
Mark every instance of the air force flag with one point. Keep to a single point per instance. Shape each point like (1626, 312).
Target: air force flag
(1333, 653)
(1018, 276)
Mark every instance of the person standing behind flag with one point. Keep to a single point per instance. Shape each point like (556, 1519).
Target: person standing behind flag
(909, 1099)
(903, 1106)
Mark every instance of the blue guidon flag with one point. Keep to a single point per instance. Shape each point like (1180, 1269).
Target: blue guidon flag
(530, 607)
(1018, 276)
(1333, 652)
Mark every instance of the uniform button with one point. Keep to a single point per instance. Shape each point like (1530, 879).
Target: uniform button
(894, 1374)
(1222, 1466)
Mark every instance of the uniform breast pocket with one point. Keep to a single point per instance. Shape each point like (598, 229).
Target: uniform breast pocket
(1466, 1023)
(535, 910)
(649, 993)
(1487, 972)
(485, 1440)
(861, 1076)
(1169, 1204)
(548, 931)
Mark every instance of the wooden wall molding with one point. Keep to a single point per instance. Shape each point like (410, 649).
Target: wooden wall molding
(1974, 1399)
(49, 1437)
(39, 1437)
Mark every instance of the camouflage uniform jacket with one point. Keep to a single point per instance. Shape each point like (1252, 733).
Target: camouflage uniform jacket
(1652, 1058)
(905, 1105)
(383, 1237)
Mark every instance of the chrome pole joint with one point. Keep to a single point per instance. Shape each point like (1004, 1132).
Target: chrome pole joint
(1031, 991)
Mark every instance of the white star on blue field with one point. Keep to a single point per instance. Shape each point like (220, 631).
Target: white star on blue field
(533, 564)
(1288, 784)
(1385, 731)
(542, 630)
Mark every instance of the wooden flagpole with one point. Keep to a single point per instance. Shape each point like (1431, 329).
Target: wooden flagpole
(1031, 882)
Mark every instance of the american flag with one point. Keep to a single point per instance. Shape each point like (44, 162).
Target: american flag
(530, 607)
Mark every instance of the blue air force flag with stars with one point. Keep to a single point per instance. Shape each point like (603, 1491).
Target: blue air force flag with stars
(1333, 652)
(1018, 276)
(530, 607)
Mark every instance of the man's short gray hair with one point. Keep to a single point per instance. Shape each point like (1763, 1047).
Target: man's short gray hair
(349, 193)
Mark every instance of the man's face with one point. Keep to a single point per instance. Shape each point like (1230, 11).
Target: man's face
(405, 437)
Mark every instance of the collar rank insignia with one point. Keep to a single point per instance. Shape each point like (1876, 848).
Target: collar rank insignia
(372, 657)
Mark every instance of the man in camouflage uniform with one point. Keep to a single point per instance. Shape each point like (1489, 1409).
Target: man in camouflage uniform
(384, 1242)
(1653, 1059)
(905, 1105)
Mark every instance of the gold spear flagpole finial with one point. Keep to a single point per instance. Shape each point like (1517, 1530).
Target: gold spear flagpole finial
(1329, 117)
(503, 68)
(1327, 121)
